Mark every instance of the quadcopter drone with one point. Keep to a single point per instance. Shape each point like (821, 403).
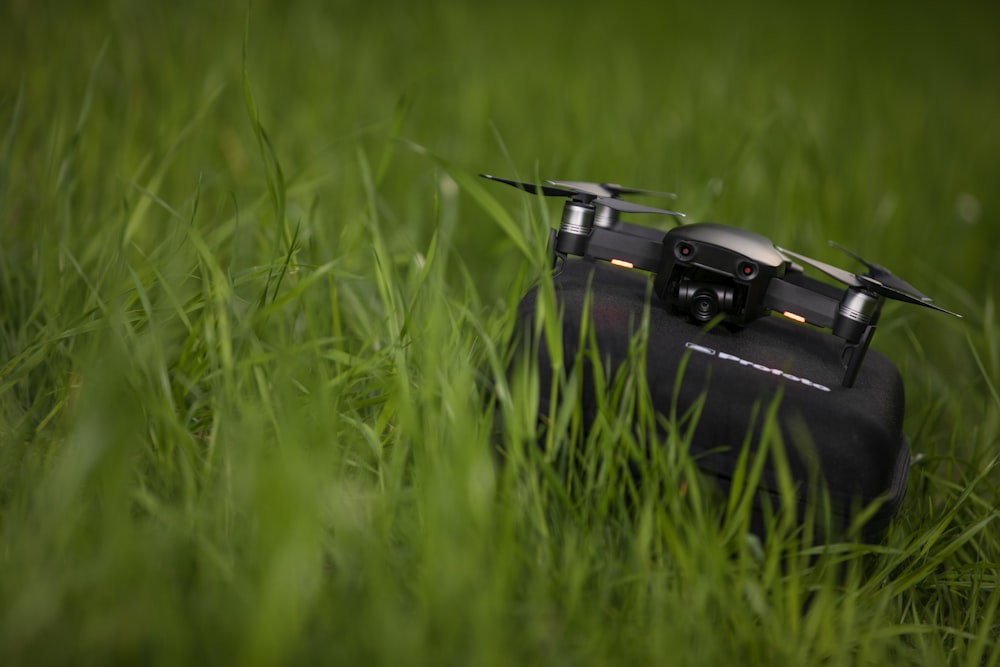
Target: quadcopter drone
(707, 270)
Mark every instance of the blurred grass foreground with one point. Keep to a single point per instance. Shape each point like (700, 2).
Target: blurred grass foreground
(251, 298)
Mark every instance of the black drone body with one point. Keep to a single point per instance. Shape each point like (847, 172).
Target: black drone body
(707, 268)
(708, 271)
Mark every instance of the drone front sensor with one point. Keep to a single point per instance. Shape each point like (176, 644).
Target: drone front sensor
(683, 251)
(747, 270)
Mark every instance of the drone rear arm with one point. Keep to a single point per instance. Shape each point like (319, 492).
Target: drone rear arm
(801, 304)
(623, 249)
(795, 275)
(651, 233)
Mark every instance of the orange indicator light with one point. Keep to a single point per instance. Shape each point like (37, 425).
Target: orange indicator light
(793, 316)
(623, 263)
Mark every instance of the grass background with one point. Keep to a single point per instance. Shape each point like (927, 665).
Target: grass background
(250, 294)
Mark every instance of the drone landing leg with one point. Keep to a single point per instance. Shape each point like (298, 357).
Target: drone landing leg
(853, 354)
(554, 254)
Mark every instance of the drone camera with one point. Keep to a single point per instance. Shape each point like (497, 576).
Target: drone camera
(705, 300)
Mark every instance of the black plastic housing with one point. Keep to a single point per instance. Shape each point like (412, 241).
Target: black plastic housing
(709, 253)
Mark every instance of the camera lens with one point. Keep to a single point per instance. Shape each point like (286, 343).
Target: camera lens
(704, 306)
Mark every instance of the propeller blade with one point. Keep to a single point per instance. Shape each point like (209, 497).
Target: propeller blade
(834, 272)
(882, 274)
(531, 188)
(897, 283)
(874, 285)
(851, 254)
(594, 193)
(622, 190)
(610, 189)
(630, 207)
(596, 189)
(865, 281)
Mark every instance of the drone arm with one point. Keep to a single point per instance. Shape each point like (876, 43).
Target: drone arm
(650, 233)
(812, 284)
(800, 303)
(624, 249)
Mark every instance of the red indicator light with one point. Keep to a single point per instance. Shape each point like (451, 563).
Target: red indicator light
(623, 263)
(793, 316)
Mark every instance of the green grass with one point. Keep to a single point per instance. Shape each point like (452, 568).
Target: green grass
(252, 296)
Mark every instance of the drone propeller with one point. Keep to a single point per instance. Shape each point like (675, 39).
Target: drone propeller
(610, 189)
(632, 207)
(588, 193)
(533, 189)
(890, 292)
(882, 274)
(834, 272)
(867, 282)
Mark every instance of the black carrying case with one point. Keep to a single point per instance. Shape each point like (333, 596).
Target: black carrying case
(851, 436)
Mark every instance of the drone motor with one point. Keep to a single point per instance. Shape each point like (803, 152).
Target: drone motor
(575, 228)
(856, 311)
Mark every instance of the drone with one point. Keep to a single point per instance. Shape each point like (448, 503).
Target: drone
(708, 270)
